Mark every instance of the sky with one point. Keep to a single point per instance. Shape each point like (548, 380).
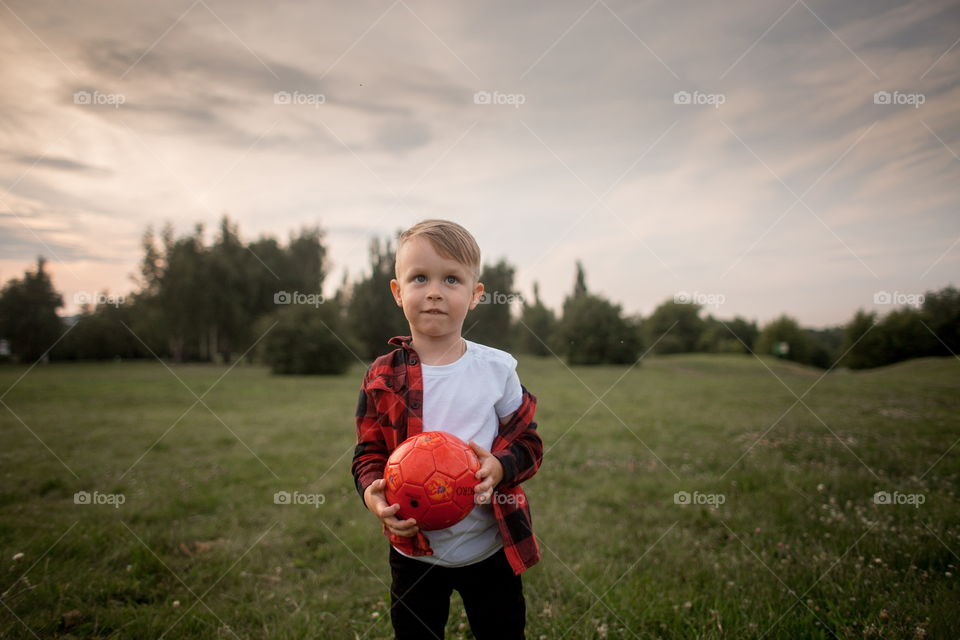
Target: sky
(758, 157)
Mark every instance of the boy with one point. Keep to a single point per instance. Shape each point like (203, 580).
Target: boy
(437, 380)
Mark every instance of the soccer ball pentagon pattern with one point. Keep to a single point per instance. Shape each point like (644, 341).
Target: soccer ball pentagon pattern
(431, 476)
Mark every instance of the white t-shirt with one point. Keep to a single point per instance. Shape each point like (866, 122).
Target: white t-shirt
(467, 398)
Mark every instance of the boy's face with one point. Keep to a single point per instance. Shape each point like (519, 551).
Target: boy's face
(435, 292)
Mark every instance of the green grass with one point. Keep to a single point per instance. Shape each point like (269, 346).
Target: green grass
(798, 549)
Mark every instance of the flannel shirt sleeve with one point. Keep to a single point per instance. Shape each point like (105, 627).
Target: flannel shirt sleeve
(370, 453)
(522, 458)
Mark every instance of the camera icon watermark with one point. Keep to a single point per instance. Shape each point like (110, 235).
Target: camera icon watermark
(685, 498)
(699, 98)
(297, 498)
(286, 297)
(97, 498)
(912, 499)
(298, 98)
(497, 98)
(702, 299)
(910, 299)
(96, 98)
(898, 98)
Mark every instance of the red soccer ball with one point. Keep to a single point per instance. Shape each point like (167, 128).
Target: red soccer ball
(431, 476)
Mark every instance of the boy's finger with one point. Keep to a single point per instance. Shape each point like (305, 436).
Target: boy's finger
(404, 526)
(477, 449)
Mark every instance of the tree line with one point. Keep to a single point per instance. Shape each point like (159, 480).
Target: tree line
(262, 301)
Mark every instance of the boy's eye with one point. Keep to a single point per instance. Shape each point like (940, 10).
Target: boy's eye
(449, 279)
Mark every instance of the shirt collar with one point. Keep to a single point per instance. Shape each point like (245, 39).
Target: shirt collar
(401, 341)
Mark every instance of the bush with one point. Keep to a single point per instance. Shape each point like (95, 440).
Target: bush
(594, 332)
(674, 327)
(306, 340)
(730, 336)
(784, 338)
(99, 334)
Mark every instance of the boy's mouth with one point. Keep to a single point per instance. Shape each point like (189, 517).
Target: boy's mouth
(435, 312)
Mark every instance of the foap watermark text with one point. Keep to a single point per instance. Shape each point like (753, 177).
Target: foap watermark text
(699, 98)
(709, 499)
(96, 498)
(898, 297)
(98, 99)
(299, 98)
(912, 499)
(899, 98)
(98, 299)
(496, 98)
(295, 297)
(703, 299)
(297, 498)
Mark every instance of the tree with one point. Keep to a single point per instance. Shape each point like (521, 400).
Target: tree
(674, 327)
(784, 338)
(825, 346)
(183, 294)
(941, 310)
(580, 286)
(99, 334)
(729, 336)
(201, 302)
(28, 313)
(594, 332)
(903, 336)
(538, 326)
(860, 344)
(489, 322)
(373, 315)
(305, 340)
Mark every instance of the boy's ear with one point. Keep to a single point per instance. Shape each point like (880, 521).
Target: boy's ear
(477, 293)
(395, 289)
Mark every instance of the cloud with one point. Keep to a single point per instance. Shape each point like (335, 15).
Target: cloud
(61, 164)
(386, 132)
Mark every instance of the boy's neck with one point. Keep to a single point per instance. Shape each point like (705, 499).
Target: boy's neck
(439, 350)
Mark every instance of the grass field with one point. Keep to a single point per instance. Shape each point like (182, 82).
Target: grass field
(785, 541)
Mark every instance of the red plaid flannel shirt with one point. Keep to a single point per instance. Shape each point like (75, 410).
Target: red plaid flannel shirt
(390, 410)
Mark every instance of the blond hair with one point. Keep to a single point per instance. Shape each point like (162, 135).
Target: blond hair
(448, 239)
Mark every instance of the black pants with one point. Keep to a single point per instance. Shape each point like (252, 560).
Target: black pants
(420, 598)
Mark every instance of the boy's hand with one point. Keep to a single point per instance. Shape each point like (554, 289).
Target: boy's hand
(490, 474)
(375, 500)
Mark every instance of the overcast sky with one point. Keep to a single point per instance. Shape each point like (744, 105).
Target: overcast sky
(734, 150)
